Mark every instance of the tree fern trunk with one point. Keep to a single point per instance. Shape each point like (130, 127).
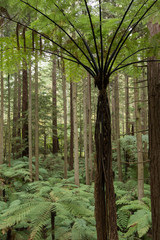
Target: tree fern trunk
(53, 214)
(105, 209)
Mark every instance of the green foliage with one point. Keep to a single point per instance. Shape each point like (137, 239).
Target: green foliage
(133, 216)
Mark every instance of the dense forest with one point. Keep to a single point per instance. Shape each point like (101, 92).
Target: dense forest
(79, 120)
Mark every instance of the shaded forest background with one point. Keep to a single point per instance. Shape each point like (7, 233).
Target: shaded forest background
(48, 117)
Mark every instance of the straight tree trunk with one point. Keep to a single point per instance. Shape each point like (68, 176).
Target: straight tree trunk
(80, 131)
(127, 105)
(36, 119)
(154, 144)
(30, 123)
(71, 129)
(113, 112)
(54, 108)
(85, 134)
(24, 111)
(116, 85)
(15, 105)
(90, 128)
(144, 115)
(1, 120)
(105, 209)
(65, 118)
(9, 123)
(139, 142)
(75, 127)
(19, 143)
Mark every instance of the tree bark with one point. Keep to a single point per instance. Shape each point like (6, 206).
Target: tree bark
(54, 109)
(116, 85)
(75, 127)
(65, 118)
(113, 112)
(30, 122)
(14, 130)
(154, 144)
(71, 129)
(36, 119)
(85, 93)
(1, 120)
(24, 111)
(90, 129)
(105, 209)
(127, 105)
(139, 143)
(19, 143)
(9, 124)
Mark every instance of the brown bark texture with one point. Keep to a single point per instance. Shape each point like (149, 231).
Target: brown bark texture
(24, 113)
(54, 111)
(105, 208)
(154, 144)
(71, 162)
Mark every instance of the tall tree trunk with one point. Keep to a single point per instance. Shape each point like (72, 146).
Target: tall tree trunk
(105, 209)
(24, 111)
(139, 142)
(30, 122)
(127, 105)
(80, 131)
(71, 162)
(75, 127)
(85, 93)
(65, 118)
(144, 115)
(9, 123)
(1, 120)
(113, 112)
(54, 109)
(90, 128)
(154, 144)
(36, 119)
(19, 143)
(14, 131)
(117, 128)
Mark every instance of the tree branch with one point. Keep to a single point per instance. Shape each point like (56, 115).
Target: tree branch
(119, 46)
(37, 10)
(114, 36)
(81, 36)
(46, 37)
(93, 33)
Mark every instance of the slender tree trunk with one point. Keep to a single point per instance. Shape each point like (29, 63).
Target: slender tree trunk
(14, 131)
(45, 143)
(139, 143)
(30, 122)
(24, 111)
(65, 118)
(144, 115)
(75, 127)
(9, 123)
(105, 209)
(90, 128)
(117, 128)
(127, 105)
(113, 112)
(72, 130)
(53, 215)
(80, 132)
(19, 152)
(85, 93)
(36, 119)
(54, 109)
(1, 120)
(154, 144)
